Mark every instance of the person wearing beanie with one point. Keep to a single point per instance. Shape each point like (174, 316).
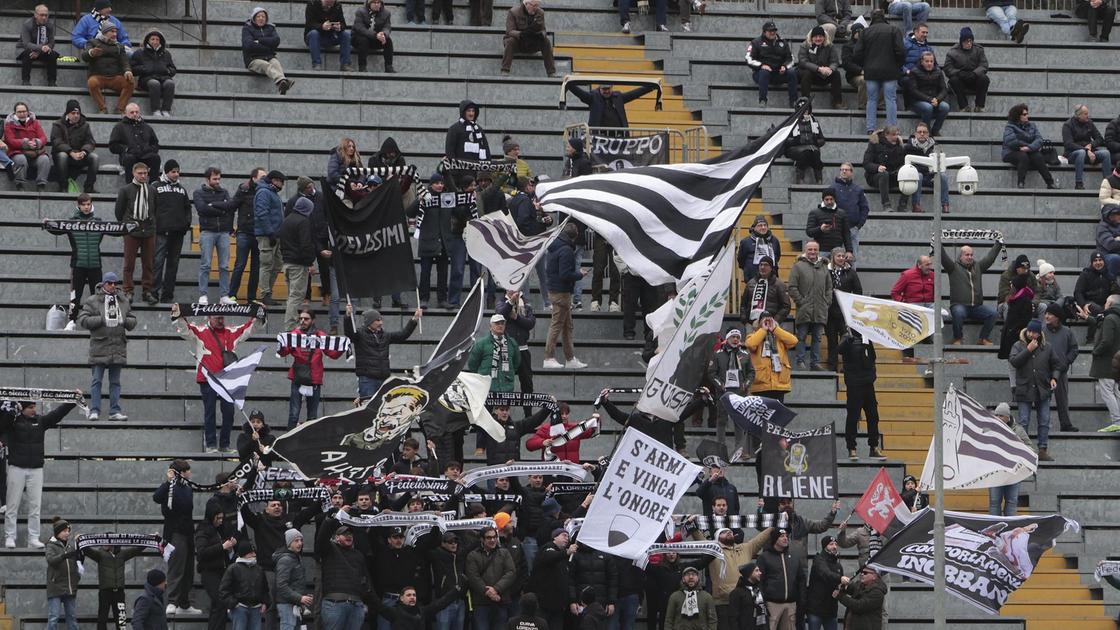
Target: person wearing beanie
(244, 590)
(109, 66)
(966, 65)
(818, 63)
(148, 611)
(25, 432)
(512, 150)
(73, 146)
(107, 315)
(292, 587)
(216, 212)
(371, 345)
(825, 576)
(1004, 500)
(732, 372)
(88, 26)
(111, 562)
(1048, 290)
(746, 602)
(1036, 369)
(36, 44)
(691, 607)
(549, 577)
(214, 543)
(758, 243)
(64, 571)
(783, 580)
(298, 249)
(1062, 340)
(155, 68)
(305, 187)
(172, 222)
(577, 163)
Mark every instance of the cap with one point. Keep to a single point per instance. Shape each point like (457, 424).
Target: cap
(244, 548)
(501, 519)
(1034, 326)
(497, 318)
(1110, 208)
(275, 174)
(436, 177)
(559, 530)
(1022, 261)
(171, 165)
(292, 535)
(344, 531)
(450, 537)
(156, 577)
(375, 179)
(690, 570)
(575, 143)
(396, 531)
(769, 26)
(1003, 409)
(256, 413)
(110, 277)
(734, 332)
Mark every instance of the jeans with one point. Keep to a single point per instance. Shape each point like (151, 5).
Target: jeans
(414, 11)
(207, 243)
(452, 617)
(910, 12)
(114, 387)
(457, 251)
(66, 167)
(803, 330)
(763, 78)
(209, 399)
(627, 611)
(55, 606)
(425, 288)
(245, 618)
(246, 252)
(982, 312)
(295, 401)
(41, 165)
(1004, 17)
(1042, 408)
(317, 40)
(342, 615)
(930, 115)
(817, 623)
(1078, 159)
(382, 622)
(490, 616)
(23, 482)
(368, 386)
(927, 178)
(890, 96)
(1003, 500)
(288, 618)
(854, 234)
(530, 546)
(169, 247)
(161, 94)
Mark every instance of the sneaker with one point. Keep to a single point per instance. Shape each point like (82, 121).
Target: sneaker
(202, 299)
(505, 73)
(390, 70)
(614, 308)
(71, 326)
(210, 449)
(1079, 185)
(552, 364)
(875, 453)
(1021, 33)
(171, 608)
(663, 28)
(577, 306)
(686, 26)
(316, 66)
(227, 449)
(575, 364)
(166, 113)
(595, 306)
(225, 299)
(852, 454)
(626, 28)
(189, 610)
(93, 415)
(35, 543)
(118, 417)
(150, 299)
(346, 68)
(9, 543)
(1112, 428)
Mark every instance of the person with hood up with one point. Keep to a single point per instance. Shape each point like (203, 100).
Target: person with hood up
(156, 69)
(27, 147)
(563, 271)
(89, 24)
(36, 43)
(885, 155)
(722, 578)
(213, 550)
(844, 278)
(576, 163)
(259, 42)
(138, 202)
(771, 61)
(244, 591)
(818, 63)
(748, 607)
(268, 215)
(526, 33)
(765, 292)
(1090, 292)
(1105, 346)
(64, 571)
(853, 71)
(372, 25)
(606, 107)
(783, 580)
(1082, 141)
(292, 592)
(810, 286)
(107, 315)
(966, 290)
(371, 347)
(85, 257)
(859, 379)
(828, 225)
(928, 90)
(1022, 147)
(148, 611)
(804, 143)
(73, 146)
(324, 26)
(465, 139)
(966, 65)
(306, 372)
(297, 251)
(1036, 375)
(880, 53)
(134, 141)
(1019, 296)
(109, 67)
(25, 432)
(824, 577)
(1108, 237)
(759, 243)
(922, 143)
(111, 560)
(864, 598)
(173, 221)
(691, 608)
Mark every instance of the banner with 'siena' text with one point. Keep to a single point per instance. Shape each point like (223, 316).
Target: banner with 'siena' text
(636, 496)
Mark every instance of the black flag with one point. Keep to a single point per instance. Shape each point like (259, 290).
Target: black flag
(798, 465)
(370, 237)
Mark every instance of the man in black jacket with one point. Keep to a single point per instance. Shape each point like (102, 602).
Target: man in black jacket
(591, 568)
(297, 250)
(607, 107)
(345, 578)
(215, 223)
(134, 140)
(372, 25)
(213, 548)
(324, 26)
(550, 577)
(247, 250)
(825, 577)
(448, 563)
(176, 503)
(783, 581)
(880, 53)
(73, 146)
(371, 347)
(24, 435)
(243, 590)
(138, 201)
(859, 378)
(395, 566)
(173, 220)
(771, 61)
(268, 534)
(827, 224)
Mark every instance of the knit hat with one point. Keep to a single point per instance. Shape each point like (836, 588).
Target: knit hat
(501, 519)
(256, 413)
(576, 144)
(550, 506)
(759, 219)
(817, 30)
(966, 34)
(1035, 326)
(110, 277)
(107, 26)
(72, 105)
(292, 535)
(1022, 261)
(766, 260)
(303, 182)
(170, 165)
(559, 530)
(1003, 409)
(370, 315)
(1056, 310)
(436, 177)
(304, 206)
(734, 332)
(1044, 268)
(509, 144)
(747, 569)
(244, 548)
(769, 26)
(60, 526)
(1096, 256)
(1110, 209)
(826, 541)
(101, 4)
(275, 174)
(156, 577)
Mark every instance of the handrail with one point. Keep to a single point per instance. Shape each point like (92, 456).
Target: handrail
(685, 145)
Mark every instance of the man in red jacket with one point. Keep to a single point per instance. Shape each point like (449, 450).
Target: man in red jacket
(915, 286)
(547, 438)
(211, 342)
(306, 373)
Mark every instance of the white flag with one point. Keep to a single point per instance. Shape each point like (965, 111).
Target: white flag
(888, 323)
(477, 387)
(980, 450)
(636, 496)
(233, 381)
(675, 373)
(495, 242)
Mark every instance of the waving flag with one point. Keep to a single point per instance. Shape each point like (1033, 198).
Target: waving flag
(888, 323)
(233, 381)
(881, 506)
(495, 242)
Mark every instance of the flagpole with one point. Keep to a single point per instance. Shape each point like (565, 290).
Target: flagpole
(938, 401)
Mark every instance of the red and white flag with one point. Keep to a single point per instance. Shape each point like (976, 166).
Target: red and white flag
(881, 505)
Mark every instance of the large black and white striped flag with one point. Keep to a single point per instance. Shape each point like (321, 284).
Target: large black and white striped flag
(233, 381)
(981, 451)
(496, 243)
(667, 222)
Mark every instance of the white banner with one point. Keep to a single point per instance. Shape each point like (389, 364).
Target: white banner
(888, 323)
(636, 496)
(697, 316)
(495, 243)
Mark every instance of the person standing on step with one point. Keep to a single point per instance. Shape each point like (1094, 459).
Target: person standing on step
(914, 286)
(176, 502)
(73, 146)
(1083, 142)
(138, 202)
(371, 346)
(810, 286)
(765, 292)
(373, 23)
(859, 380)
(244, 591)
(759, 243)
(64, 571)
(966, 291)
(818, 63)
(606, 107)
(215, 223)
(148, 611)
(134, 141)
(496, 355)
(1105, 346)
(844, 278)
(434, 218)
(1064, 342)
(691, 607)
(306, 373)
(733, 373)
(966, 65)
(259, 42)
(292, 592)
(769, 346)
(268, 214)
(212, 347)
(771, 62)
(36, 44)
(1036, 375)
(851, 198)
(828, 225)
(247, 251)
(324, 26)
(880, 53)
(1004, 500)
(520, 321)
(85, 257)
(526, 33)
(824, 577)
(155, 69)
(107, 315)
(783, 580)
(298, 248)
(109, 67)
(111, 560)
(173, 221)
(25, 437)
(562, 270)
(804, 143)
(214, 546)
(864, 598)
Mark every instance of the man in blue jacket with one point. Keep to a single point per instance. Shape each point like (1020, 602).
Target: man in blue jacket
(268, 213)
(87, 27)
(853, 201)
(562, 272)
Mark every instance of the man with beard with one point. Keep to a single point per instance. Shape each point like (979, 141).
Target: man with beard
(691, 608)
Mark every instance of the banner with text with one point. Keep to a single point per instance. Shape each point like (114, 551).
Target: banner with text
(620, 153)
(798, 465)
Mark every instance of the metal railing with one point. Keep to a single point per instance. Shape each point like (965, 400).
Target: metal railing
(1065, 6)
(685, 145)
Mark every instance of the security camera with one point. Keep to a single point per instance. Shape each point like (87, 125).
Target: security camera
(909, 179)
(967, 180)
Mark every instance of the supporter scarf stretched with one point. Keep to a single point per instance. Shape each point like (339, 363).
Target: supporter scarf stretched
(731, 521)
(243, 310)
(971, 235)
(329, 343)
(390, 519)
(687, 548)
(236, 475)
(561, 436)
(444, 200)
(478, 497)
(85, 541)
(285, 494)
(617, 390)
(385, 172)
(41, 395)
(68, 226)
(758, 296)
(566, 487)
(523, 399)
(467, 524)
(413, 483)
(520, 469)
(487, 166)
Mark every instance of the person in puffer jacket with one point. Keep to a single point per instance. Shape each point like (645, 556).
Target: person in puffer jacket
(244, 590)
(149, 612)
(818, 63)
(27, 147)
(63, 575)
(173, 221)
(107, 315)
(928, 91)
(591, 568)
(155, 69)
(885, 155)
(259, 42)
(291, 580)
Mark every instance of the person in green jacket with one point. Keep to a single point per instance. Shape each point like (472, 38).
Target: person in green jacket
(85, 257)
(690, 608)
(498, 356)
(63, 575)
(110, 560)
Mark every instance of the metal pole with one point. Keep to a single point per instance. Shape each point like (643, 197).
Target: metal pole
(938, 401)
(204, 20)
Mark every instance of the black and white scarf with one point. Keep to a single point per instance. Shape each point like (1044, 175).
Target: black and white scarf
(569, 487)
(617, 390)
(971, 235)
(759, 294)
(391, 519)
(445, 200)
(732, 521)
(85, 541)
(1106, 568)
(68, 226)
(41, 395)
(239, 473)
(301, 341)
(499, 359)
(520, 469)
(814, 126)
(242, 310)
(140, 206)
(384, 172)
(112, 311)
(459, 525)
(478, 497)
(523, 399)
(486, 166)
(414, 483)
(689, 607)
(561, 435)
(285, 494)
(97, 17)
(686, 548)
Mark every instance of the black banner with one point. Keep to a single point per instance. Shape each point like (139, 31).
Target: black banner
(798, 465)
(987, 558)
(752, 413)
(571, 487)
(85, 541)
(620, 153)
(109, 228)
(370, 239)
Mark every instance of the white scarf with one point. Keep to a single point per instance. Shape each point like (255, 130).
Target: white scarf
(140, 206)
(690, 607)
(112, 311)
(499, 360)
